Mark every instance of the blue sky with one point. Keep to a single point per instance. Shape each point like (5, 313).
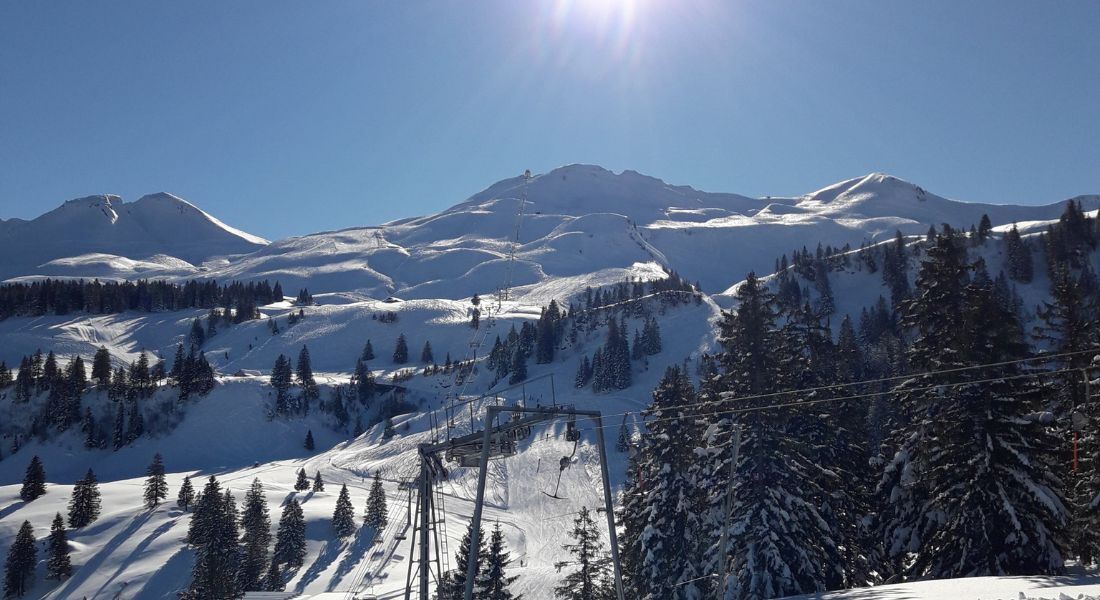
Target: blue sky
(285, 118)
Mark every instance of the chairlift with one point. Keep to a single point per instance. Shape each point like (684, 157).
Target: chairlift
(565, 461)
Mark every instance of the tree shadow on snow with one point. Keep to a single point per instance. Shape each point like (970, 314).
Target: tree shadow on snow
(82, 572)
(7, 510)
(329, 551)
(357, 552)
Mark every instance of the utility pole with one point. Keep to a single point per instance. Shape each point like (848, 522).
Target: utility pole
(723, 544)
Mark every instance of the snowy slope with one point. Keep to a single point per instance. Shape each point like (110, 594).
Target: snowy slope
(140, 552)
(157, 224)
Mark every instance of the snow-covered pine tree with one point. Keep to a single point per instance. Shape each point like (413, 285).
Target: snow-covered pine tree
(255, 539)
(290, 540)
(301, 484)
(58, 564)
(20, 564)
(993, 506)
(318, 483)
(34, 481)
(669, 563)
(589, 578)
(84, 505)
(780, 544)
(156, 486)
(1070, 324)
(186, 496)
(377, 515)
(343, 518)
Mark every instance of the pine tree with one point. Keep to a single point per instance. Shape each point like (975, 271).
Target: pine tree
(388, 430)
(318, 483)
(290, 540)
(377, 514)
(669, 565)
(119, 439)
(21, 562)
(519, 367)
(343, 518)
(305, 377)
(101, 367)
(1020, 266)
(774, 556)
(177, 364)
(368, 352)
(309, 440)
(255, 538)
(214, 535)
(273, 580)
(584, 373)
(197, 336)
(58, 565)
(280, 380)
(34, 481)
(453, 584)
(589, 579)
(135, 425)
(496, 577)
(186, 496)
(426, 356)
(362, 380)
(156, 486)
(401, 351)
(622, 444)
(84, 505)
(302, 483)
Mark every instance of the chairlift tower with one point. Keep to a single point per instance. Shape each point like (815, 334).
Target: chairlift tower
(505, 290)
(499, 439)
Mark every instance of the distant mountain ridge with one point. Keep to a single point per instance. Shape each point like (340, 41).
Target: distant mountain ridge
(156, 225)
(577, 219)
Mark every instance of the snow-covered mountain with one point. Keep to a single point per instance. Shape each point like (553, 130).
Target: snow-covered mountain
(582, 226)
(107, 237)
(578, 219)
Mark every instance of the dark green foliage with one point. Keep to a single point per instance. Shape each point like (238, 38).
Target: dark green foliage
(301, 484)
(255, 539)
(156, 486)
(318, 483)
(290, 540)
(377, 514)
(309, 441)
(280, 380)
(214, 536)
(401, 350)
(495, 570)
(589, 577)
(426, 355)
(186, 496)
(84, 505)
(453, 584)
(58, 565)
(304, 374)
(34, 481)
(20, 564)
(343, 518)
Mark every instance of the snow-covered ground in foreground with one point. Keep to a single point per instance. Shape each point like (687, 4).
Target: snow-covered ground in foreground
(1079, 585)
